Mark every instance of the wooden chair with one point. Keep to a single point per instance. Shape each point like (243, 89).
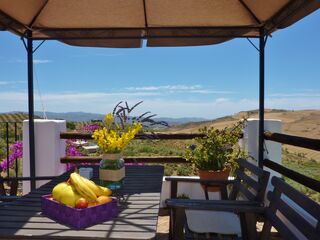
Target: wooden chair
(248, 188)
(294, 215)
(291, 213)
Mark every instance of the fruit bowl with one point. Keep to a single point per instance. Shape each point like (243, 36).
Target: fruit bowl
(78, 218)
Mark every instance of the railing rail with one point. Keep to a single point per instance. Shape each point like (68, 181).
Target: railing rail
(298, 177)
(131, 159)
(162, 136)
(304, 142)
(127, 159)
(297, 141)
(309, 143)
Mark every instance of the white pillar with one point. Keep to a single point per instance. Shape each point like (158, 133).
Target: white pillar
(272, 149)
(48, 149)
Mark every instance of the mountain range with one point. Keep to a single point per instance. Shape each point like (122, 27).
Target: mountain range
(84, 117)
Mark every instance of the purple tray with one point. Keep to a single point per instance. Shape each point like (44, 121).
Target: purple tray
(78, 218)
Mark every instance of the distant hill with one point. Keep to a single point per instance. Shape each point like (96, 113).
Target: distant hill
(176, 121)
(85, 117)
(73, 116)
(305, 123)
(301, 122)
(13, 117)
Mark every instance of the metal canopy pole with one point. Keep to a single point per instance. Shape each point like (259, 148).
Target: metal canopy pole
(261, 96)
(31, 110)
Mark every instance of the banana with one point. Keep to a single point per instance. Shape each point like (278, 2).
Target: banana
(105, 191)
(98, 190)
(94, 188)
(82, 188)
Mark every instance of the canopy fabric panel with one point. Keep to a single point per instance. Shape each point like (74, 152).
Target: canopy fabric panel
(124, 23)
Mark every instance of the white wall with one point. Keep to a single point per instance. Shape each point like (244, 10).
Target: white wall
(272, 149)
(48, 149)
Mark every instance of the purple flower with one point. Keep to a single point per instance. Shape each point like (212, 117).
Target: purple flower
(90, 128)
(71, 150)
(16, 151)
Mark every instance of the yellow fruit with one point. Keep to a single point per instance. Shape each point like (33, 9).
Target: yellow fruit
(69, 196)
(105, 191)
(58, 190)
(91, 204)
(82, 188)
(94, 187)
(65, 194)
(103, 199)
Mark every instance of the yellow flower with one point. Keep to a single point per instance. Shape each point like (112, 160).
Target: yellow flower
(108, 118)
(112, 138)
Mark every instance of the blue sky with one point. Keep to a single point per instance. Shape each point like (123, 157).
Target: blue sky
(208, 81)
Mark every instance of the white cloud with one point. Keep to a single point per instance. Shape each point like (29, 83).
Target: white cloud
(92, 95)
(4, 83)
(35, 61)
(293, 103)
(41, 61)
(298, 94)
(197, 89)
(165, 87)
(13, 96)
(10, 83)
(100, 102)
(208, 91)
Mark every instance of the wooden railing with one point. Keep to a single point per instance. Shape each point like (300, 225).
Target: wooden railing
(162, 136)
(127, 159)
(298, 177)
(308, 143)
(131, 159)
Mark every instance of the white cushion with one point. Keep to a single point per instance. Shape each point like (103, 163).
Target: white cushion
(200, 221)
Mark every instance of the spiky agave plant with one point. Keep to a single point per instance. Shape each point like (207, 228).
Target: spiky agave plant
(122, 111)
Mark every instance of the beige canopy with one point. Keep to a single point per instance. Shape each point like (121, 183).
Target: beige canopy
(124, 23)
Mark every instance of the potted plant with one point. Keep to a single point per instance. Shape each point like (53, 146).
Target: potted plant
(215, 155)
(112, 138)
(113, 134)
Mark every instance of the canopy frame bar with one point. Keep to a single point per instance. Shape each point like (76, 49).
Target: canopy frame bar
(250, 11)
(262, 43)
(38, 13)
(31, 110)
(148, 37)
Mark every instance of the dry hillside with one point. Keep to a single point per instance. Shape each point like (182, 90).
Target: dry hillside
(304, 123)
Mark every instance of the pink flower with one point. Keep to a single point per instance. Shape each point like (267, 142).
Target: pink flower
(16, 151)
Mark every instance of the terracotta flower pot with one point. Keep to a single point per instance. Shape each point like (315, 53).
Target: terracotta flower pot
(213, 175)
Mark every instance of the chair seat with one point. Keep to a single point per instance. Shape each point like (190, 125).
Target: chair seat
(213, 222)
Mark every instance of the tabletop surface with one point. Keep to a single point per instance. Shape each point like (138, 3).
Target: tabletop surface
(137, 218)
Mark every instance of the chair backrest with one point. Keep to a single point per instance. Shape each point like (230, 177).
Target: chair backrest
(294, 215)
(251, 182)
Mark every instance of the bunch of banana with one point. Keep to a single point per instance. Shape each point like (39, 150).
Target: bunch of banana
(98, 190)
(87, 188)
(82, 188)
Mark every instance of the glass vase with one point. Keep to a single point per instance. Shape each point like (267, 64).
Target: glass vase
(112, 171)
